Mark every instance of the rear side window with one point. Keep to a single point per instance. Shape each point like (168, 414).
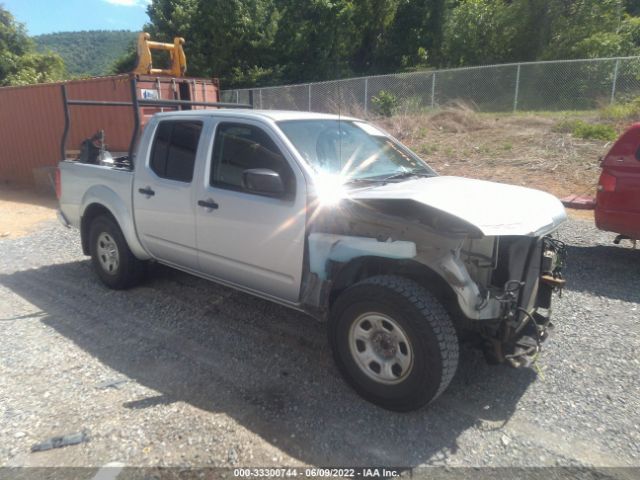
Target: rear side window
(239, 147)
(174, 149)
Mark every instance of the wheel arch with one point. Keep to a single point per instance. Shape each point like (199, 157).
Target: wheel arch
(101, 200)
(361, 268)
(90, 213)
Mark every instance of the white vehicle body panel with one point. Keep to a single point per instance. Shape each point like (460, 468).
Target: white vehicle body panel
(494, 208)
(252, 240)
(165, 221)
(327, 246)
(86, 185)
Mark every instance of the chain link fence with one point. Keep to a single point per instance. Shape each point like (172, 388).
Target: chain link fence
(552, 85)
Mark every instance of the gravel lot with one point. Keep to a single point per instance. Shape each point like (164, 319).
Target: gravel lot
(213, 377)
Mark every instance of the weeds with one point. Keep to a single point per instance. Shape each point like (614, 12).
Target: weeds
(622, 111)
(458, 117)
(595, 131)
(427, 149)
(587, 131)
(385, 103)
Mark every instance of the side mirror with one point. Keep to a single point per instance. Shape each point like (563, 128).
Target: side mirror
(263, 181)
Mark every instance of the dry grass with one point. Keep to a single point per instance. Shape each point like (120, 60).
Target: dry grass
(457, 118)
(519, 149)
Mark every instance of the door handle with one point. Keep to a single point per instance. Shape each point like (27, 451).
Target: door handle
(209, 204)
(147, 191)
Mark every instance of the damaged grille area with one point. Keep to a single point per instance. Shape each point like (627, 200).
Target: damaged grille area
(527, 270)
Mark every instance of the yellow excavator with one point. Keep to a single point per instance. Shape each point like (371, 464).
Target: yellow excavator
(145, 60)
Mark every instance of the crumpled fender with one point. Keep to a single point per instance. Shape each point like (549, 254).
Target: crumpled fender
(324, 247)
(342, 248)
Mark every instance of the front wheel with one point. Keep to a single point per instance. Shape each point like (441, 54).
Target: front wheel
(393, 342)
(112, 259)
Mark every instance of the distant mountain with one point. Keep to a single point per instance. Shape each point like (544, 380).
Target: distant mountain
(87, 53)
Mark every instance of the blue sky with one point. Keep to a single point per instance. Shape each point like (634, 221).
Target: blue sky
(46, 16)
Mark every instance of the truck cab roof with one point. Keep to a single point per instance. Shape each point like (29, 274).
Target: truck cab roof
(274, 115)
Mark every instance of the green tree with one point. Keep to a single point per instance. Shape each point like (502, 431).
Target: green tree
(498, 31)
(126, 62)
(230, 39)
(263, 42)
(414, 39)
(632, 7)
(19, 63)
(479, 32)
(374, 21)
(316, 40)
(584, 29)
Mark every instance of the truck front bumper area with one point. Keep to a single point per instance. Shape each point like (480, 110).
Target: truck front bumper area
(519, 347)
(517, 339)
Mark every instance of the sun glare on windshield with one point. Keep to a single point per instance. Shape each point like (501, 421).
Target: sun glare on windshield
(346, 151)
(330, 188)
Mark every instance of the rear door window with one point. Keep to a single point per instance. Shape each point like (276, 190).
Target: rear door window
(173, 154)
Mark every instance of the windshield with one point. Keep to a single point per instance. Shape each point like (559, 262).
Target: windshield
(353, 150)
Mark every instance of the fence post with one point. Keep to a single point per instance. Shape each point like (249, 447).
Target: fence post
(515, 97)
(309, 99)
(366, 94)
(237, 96)
(260, 95)
(433, 90)
(615, 80)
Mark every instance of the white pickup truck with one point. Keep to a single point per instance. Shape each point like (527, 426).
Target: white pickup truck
(335, 218)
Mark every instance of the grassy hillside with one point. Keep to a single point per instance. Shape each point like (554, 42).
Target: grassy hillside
(88, 52)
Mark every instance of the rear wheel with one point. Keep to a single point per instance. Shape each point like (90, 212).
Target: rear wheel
(112, 259)
(393, 342)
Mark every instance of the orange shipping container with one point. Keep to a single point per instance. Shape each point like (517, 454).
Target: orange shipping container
(32, 117)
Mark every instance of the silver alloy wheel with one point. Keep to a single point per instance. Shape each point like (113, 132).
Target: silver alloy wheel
(108, 254)
(381, 348)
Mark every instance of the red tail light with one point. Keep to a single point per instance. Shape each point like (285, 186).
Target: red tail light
(607, 183)
(58, 184)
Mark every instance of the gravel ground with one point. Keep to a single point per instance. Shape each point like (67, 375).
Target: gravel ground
(213, 377)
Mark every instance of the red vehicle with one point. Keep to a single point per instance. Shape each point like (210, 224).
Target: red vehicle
(618, 198)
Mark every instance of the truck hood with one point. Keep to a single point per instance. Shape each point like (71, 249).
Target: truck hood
(493, 208)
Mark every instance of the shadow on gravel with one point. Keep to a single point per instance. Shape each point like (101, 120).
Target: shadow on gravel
(265, 366)
(608, 271)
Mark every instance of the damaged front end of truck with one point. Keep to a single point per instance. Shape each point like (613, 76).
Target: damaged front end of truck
(486, 249)
(520, 280)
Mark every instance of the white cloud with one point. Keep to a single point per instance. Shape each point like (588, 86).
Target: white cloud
(129, 3)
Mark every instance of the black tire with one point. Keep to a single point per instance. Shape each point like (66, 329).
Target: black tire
(422, 320)
(129, 271)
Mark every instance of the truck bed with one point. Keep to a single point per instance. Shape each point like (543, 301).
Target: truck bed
(83, 182)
